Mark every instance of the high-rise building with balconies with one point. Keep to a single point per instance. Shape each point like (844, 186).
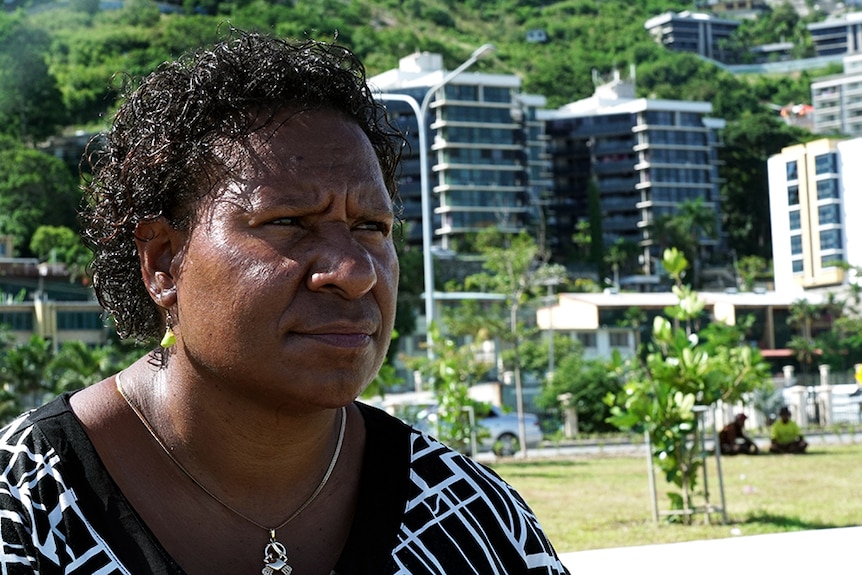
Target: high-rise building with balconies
(699, 33)
(488, 158)
(836, 36)
(837, 100)
(641, 158)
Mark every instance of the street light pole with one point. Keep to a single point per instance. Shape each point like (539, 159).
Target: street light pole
(421, 112)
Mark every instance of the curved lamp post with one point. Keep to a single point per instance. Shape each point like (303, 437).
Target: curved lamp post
(421, 111)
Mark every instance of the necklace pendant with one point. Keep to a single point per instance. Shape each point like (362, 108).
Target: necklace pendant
(275, 559)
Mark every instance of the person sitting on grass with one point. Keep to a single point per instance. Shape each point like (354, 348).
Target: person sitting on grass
(732, 439)
(786, 436)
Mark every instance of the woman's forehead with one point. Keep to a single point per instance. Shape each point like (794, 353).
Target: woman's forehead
(303, 155)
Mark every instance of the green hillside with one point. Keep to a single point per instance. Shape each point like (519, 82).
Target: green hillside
(84, 47)
(60, 63)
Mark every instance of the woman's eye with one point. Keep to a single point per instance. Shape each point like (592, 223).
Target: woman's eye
(285, 221)
(382, 227)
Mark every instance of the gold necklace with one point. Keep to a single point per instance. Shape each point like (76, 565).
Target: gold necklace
(275, 553)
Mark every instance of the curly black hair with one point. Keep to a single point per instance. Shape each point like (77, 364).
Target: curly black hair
(160, 156)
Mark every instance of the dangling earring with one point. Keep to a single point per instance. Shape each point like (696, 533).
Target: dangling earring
(169, 338)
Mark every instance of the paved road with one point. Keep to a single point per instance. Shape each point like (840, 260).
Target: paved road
(577, 448)
(799, 552)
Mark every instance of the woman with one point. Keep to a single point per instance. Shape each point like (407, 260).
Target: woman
(242, 210)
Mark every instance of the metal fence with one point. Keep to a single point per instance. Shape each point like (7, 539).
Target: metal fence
(823, 398)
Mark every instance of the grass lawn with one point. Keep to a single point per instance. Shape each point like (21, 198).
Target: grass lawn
(594, 502)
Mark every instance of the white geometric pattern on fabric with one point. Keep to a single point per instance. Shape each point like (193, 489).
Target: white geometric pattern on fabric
(460, 507)
(37, 509)
(459, 516)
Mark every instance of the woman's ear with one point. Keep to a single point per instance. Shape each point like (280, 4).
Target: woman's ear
(158, 245)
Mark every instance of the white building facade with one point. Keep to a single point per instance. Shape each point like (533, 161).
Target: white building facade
(813, 196)
(837, 100)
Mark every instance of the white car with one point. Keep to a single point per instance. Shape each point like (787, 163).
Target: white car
(498, 429)
(503, 431)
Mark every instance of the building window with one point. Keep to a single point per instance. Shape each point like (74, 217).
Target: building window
(619, 338)
(792, 170)
(797, 266)
(827, 189)
(461, 92)
(796, 245)
(79, 320)
(831, 260)
(455, 113)
(793, 195)
(825, 164)
(587, 339)
(795, 220)
(830, 240)
(17, 320)
(496, 94)
(690, 119)
(829, 214)
(656, 118)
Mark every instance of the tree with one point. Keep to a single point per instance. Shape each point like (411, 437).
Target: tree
(451, 369)
(686, 228)
(410, 287)
(748, 269)
(510, 263)
(23, 369)
(841, 346)
(684, 370)
(77, 365)
(89, 7)
(35, 189)
(583, 239)
(61, 244)
(31, 106)
(802, 315)
(588, 381)
(620, 256)
(535, 353)
(748, 141)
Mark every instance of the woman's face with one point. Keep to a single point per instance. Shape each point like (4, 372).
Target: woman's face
(287, 282)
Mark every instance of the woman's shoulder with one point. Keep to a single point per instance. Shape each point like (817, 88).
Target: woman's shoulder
(48, 419)
(464, 514)
(33, 447)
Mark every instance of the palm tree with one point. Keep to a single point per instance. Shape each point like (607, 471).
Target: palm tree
(685, 229)
(802, 315)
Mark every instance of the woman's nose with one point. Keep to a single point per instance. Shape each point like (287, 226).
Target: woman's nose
(341, 264)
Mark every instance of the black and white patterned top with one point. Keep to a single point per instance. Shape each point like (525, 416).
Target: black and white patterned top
(422, 508)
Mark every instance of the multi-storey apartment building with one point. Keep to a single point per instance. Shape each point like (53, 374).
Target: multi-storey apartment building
(837, 35)
(812, 202)
(700, 33)
(642, 157)
(39, 299)
(837, 100)
(489, 164)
